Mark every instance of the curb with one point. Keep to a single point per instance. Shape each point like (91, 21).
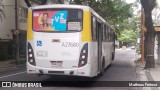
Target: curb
(15, 67)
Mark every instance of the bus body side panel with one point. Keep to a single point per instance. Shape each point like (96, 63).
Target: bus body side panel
(29, 26)
(30, 68)
(86, 38)
(107, 51)
(94, 58)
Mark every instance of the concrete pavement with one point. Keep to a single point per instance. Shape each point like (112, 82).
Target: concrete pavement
(123, 68)
(11, 65)
(147, 74)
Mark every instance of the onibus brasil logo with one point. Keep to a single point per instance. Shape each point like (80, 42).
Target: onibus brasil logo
(20, 84)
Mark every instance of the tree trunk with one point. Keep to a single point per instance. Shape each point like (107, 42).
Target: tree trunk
(158, 35)
(150, 35)
(148, 6)
(145, 45)
(150, 62)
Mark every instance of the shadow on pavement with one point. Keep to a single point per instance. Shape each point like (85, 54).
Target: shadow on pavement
(74, 81)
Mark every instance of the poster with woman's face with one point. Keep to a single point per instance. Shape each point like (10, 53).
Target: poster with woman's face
(49, 20)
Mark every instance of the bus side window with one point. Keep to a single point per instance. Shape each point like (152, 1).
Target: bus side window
(99, 30)
(112, 36)
(105, 30)
(104, 34)
(107, 34)
(93, 27)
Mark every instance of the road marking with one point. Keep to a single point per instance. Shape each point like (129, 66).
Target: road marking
(12, 74)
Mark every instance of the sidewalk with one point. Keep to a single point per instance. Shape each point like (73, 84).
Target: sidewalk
(123, 48)
(11, 65)
(148, 74)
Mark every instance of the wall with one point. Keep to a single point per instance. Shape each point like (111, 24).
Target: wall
(22, 25)
(8, 22)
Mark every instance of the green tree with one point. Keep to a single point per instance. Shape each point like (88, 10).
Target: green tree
(113, 11)
(78, 2)
(39, 2)
(116, 12)
(128, 36)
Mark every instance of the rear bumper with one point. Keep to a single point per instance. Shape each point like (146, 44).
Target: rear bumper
(83, 71)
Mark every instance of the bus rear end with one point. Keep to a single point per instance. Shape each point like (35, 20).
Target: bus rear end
(56, 43)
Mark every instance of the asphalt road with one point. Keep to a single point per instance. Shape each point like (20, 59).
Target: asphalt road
(121, 69)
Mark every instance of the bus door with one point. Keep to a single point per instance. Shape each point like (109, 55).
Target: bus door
(99, 38)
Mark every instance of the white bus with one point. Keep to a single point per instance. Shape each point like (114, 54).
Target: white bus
(68, 40)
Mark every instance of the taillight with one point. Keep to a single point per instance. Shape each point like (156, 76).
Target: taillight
(31, 58)
(83, 56)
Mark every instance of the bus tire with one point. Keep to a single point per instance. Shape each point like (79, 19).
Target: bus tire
(102, 67)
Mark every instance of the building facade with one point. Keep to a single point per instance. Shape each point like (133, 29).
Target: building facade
(7, 27)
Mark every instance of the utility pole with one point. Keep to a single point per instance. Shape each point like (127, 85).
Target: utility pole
(16, 30)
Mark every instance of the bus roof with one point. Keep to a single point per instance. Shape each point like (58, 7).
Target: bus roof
(84, 8)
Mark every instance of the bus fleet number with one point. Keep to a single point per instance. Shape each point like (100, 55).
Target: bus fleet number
(70, 44)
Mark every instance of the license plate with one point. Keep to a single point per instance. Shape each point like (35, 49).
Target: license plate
(56, 63)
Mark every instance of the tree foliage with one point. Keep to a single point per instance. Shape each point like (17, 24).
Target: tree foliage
(39, 2)
(117, 13)
(42, 2)
(128, 36)
(113, 11)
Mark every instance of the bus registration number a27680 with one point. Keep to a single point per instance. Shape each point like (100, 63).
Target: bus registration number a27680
(70, 44)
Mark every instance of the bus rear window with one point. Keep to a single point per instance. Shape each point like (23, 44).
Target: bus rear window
(57, 20)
